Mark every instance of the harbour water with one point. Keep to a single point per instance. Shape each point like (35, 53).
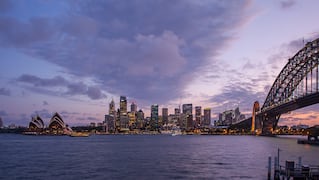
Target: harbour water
(145, 156)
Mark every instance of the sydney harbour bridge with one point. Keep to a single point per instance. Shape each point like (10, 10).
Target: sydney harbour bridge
(295, 87)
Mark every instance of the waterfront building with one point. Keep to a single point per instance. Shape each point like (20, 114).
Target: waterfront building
(36, 124)
(140, 119)
(92, 124)
(154, 117)
(172, 120)
(133, 107)
(118, 120)
(177, 112)
(124, 119)
(182, 121)
(198, 116)
(56, 125)
(110, 123)
(132, 119)
(123, 105)
(229, 117)
(188, 112)
(165, 116)
(207, 117)
(124, 122)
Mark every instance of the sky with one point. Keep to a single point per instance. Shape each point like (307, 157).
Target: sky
(73, 57)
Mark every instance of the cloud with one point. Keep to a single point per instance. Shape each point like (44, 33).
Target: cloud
(93, 119)
(286, 4)
(43, 113)
(248, 65)
(147, 50)
(233, 95)
(55, 86)
(5, 6)
(15, 33)
(42, 82)
(3, 113)
(45, 103)
(5, 92)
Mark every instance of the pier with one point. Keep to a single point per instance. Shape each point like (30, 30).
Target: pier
(292, 170)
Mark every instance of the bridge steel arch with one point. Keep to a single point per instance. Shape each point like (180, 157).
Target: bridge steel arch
(294, 74)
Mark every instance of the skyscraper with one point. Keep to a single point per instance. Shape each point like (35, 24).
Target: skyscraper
(123, 105)
(177, 111)
(112, 110)
(140, 118)
(133, 107)
(165, 115)
(207, 116)
(188, 112)
(154, 116)
(178, 116)
(198, 116)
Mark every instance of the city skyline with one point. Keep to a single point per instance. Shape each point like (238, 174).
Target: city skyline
(74, 57)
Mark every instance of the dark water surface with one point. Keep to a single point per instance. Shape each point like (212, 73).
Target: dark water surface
(145, 156)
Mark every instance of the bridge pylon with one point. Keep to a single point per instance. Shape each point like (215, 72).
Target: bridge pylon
(269, 123)
(255, 120)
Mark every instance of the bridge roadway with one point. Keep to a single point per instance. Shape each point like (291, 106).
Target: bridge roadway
(291, 105)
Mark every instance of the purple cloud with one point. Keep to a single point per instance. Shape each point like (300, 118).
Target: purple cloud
(287, 4)
(5, 92)
(43, 113)
(147, 50)
(5, 6)
(3, 113)
(42, 82)
(233, 95)
(47, 85)
(45, 103)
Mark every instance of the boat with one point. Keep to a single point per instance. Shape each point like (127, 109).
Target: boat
(313, 137)
(176, 132)
(79, 134)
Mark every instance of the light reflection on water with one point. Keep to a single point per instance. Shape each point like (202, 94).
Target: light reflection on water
(145, 156)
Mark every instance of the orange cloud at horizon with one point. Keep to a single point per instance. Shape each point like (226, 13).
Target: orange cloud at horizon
(310, 118)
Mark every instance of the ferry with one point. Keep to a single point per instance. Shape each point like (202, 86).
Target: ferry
(313, 137)
(176, 132)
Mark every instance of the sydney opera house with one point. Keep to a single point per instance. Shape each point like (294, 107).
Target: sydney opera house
(56, 126)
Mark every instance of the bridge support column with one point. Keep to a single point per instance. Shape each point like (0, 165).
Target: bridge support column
(269, 124)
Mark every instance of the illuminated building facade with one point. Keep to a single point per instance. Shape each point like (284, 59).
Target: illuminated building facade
(198, 116)
(56, 125)
(154, 116)
(140, 119)
(112, 110)
(124, 119)
(36, 124)
(207, 117)
(123, 105)
(165, 115)
(188, 118)
(132, 119)
(110, 122)
(177, 113)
